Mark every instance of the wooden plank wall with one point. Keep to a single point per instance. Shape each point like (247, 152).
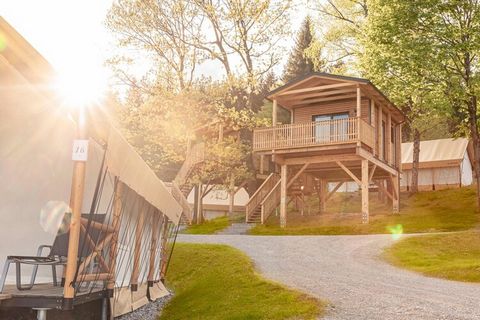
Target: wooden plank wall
(305, 114)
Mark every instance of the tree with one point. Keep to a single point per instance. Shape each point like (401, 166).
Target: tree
(158, 30)
(448, 32)
(404, 80)
(298, 62)
(343, 22)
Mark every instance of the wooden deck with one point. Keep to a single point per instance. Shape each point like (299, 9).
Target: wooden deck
(46, 296)
(320, 133)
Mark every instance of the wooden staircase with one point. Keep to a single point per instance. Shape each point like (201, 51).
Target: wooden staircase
(180, 187)
(264, 200)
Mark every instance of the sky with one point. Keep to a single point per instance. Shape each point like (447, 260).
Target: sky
(71, 35)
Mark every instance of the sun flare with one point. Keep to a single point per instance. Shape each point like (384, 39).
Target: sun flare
(81, 88)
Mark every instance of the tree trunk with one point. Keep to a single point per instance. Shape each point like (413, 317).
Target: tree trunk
(231, 203)
(416, 160)
(472, 110)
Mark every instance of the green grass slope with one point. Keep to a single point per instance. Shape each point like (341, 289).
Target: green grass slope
(435, 211)
(219, 282)
(453, 256)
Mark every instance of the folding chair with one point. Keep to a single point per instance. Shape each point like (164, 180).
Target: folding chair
(56, 257)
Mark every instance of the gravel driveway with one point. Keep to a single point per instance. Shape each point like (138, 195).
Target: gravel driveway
(346, 271)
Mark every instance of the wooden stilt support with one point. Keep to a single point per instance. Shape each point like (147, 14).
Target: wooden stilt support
(283, 196)
(323, 195)
(396, 193)
(138, 245)
(76, 202)
(365, 205)
(117, 211)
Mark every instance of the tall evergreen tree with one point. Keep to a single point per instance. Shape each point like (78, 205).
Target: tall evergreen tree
(298, 62)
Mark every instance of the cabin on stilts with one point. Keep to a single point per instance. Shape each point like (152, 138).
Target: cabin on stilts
(342, 129)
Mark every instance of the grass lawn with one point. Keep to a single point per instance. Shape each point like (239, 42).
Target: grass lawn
(453, 256)
(214, 225)
(434, 211)
(219, 282)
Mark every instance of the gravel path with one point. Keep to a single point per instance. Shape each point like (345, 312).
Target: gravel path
(346, 271)
(237, 228)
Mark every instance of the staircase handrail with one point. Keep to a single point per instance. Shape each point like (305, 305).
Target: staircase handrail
(270, 202)
(182, 200)
(193, 157)
(260, 194)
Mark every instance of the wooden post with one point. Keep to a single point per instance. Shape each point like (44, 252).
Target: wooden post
(153, 247)
(274, 113)
(200, 204)
(374, 125)
(396, 194)
(262, 163)
(365, 206)
(138, 246)
(359, 115)
(164, 257)
(323, 195)
(283, 196)
(380, 133)
(117, 211)
(388, 133)
(76, 202)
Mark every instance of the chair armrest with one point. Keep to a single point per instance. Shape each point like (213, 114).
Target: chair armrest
(40, 249)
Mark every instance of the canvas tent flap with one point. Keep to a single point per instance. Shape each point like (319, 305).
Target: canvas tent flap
(446, 151)
(124, 162)
(158, 291)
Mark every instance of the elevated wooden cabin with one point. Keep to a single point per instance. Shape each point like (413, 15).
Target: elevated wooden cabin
(342, 129)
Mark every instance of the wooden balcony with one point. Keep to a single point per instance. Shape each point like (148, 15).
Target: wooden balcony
(311, 134)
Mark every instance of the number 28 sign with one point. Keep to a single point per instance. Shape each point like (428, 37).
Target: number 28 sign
(80, 150)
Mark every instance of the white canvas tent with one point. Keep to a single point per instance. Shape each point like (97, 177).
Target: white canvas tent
(444, 163)
(216, 202)
(36, 135)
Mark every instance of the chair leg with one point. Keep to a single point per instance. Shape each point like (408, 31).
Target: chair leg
(3, 278)
(54, 275)
(19, 278)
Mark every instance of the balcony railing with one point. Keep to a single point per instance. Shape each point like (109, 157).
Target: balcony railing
(289, 136)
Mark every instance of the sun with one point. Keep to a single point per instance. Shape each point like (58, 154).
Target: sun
(80, 87)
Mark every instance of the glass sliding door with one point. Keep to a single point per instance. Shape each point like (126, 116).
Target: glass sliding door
(327, 130)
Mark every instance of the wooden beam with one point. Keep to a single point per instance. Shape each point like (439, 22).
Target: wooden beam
(359, 102)
(331, 193)
(283, 196)
(365, 204)
(318, 159)
(92, 247)
(384, 190)
(371, 173)
(317, 94)
(367, 155)
(350, 173)
(299, 172)
(374, 125)
(317, 88)
(96, 253)
(339, 97)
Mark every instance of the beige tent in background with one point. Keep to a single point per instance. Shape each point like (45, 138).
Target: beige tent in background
(444, 163)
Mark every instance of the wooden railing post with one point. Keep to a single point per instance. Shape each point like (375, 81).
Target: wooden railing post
(164, 257)
(76, 202)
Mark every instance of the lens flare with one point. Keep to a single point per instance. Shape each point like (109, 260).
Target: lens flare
(55, 217)
(396, 231)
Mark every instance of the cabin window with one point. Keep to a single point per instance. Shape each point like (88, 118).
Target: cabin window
(326, 129)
